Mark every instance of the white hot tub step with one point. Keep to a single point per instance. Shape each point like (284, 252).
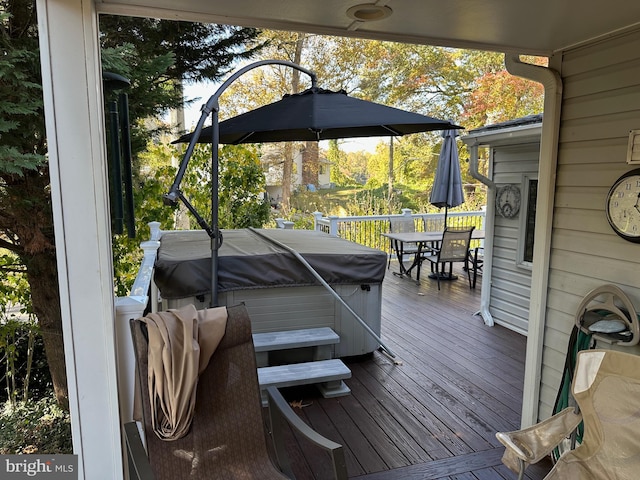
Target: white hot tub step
(322, 338)
(307, 337)
(328, 374)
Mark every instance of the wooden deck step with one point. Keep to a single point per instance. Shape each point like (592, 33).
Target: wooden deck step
(327, 374)
(321, 338)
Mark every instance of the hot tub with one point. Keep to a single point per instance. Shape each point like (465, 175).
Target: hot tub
(277, 289)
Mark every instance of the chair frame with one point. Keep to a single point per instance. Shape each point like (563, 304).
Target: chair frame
(280, 412)
(448, 251)
(530, 445)
(476, 261)
(401, 225)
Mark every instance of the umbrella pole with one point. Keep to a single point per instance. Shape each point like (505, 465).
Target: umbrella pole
(175, 194)
(324, 283)
(216, 238)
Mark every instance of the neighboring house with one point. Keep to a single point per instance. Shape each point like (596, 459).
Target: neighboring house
(513, 155)
(592, 102)
(309, 168)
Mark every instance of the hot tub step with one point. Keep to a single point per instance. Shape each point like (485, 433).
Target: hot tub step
(321, 338)
(328, 374)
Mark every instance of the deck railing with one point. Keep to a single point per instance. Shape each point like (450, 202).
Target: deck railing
(368, 230)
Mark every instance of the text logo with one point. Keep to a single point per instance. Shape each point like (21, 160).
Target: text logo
(50, 467)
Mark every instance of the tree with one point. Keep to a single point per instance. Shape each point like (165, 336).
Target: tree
(26, 220)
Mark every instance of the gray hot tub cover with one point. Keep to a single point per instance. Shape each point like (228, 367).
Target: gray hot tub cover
(246, 261)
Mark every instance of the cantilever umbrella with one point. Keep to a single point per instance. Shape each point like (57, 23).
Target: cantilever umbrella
(318, 114)
(314, 114)
(447, 184)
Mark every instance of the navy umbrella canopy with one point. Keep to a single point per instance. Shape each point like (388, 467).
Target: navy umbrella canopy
(447, 185)
(319, 114)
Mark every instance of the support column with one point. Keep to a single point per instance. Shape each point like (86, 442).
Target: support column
(72, 85)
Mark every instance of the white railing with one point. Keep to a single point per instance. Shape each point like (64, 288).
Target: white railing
(367, 230)
(133, 306)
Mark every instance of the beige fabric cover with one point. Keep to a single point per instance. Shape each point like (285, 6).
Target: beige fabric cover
(181, 342)
(607, 389)
(227, 437)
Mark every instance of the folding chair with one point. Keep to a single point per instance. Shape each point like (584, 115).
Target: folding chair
(606, 387)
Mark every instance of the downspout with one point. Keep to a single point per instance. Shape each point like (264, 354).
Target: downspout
(552, 83)
(485, 291)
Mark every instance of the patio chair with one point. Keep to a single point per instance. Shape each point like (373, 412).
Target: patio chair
(454, 247)
(475, 262)
(227, 435)
(606, 387)
(402, 225)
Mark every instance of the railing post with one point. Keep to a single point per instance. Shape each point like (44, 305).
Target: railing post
(408, 214)
(317, 216)
(133, 306)
(333, 225)
(156, 233)
(282, 223)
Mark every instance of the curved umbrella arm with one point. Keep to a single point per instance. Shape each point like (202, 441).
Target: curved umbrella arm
(212, 105)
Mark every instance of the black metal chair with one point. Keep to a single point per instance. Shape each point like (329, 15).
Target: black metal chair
(454, 247)
(475, 262)
(402, 225)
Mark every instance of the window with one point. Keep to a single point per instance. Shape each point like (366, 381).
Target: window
(528, 222)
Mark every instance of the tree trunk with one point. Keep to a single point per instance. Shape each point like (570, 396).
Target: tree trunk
(34, 241)
(287, 171)
(287, 168)
(45, 296)
(310, 163)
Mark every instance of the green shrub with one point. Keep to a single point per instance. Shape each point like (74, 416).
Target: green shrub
(24, 372)
(35, 427)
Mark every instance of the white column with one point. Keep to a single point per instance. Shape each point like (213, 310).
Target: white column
(72, 86)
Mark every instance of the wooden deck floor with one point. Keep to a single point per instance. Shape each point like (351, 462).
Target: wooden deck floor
(435, 415)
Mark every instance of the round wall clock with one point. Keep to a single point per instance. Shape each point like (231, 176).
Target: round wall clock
(508, 201)
(623, 206)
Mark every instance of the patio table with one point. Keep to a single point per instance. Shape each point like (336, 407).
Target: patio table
(421, 239)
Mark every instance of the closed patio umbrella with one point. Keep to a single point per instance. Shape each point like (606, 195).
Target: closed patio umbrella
(447, 185)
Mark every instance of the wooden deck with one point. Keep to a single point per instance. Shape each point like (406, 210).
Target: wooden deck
(435, 415)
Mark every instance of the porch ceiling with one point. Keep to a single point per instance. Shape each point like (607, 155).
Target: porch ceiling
(539, 27)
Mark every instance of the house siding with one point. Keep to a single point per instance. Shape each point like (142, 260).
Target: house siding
(511, 282)
(601, 104)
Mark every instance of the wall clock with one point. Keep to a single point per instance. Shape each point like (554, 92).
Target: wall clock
(623, 206)
(508, 201)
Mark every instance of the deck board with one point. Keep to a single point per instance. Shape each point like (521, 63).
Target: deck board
(435, 415)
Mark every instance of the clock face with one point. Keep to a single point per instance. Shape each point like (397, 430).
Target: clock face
(623, 206)
(508, 201)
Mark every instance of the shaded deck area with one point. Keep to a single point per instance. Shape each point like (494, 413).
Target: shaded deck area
(435, 415)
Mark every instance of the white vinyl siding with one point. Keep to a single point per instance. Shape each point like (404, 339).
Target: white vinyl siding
(601, 104)
(510, 282)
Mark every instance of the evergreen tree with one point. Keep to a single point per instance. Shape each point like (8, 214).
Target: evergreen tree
(155, 55)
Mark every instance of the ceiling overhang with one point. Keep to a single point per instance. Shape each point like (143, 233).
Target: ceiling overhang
(542, 27)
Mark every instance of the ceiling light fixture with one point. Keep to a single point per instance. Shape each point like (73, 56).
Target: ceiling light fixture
(369, 12)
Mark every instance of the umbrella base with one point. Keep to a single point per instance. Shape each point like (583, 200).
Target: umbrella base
(444, 276)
